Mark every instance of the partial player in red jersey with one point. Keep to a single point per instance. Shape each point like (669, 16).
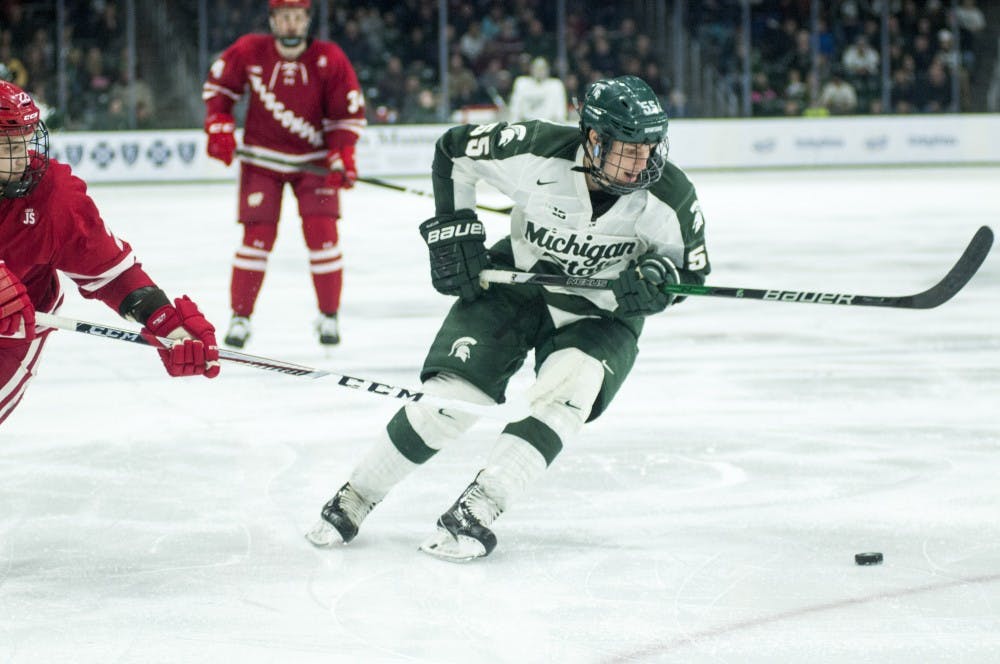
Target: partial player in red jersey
(48, 224)
(305, 105)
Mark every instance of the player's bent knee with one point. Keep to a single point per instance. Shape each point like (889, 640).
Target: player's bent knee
(564, 393)
(436, 426)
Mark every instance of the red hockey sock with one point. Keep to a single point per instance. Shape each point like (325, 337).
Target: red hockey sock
(325, 261)
(249, 266)
(244, 289)
(328, 287)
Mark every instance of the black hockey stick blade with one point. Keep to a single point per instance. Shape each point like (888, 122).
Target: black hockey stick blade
(959, 275)
(936, 295)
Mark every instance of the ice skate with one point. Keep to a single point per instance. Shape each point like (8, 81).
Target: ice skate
(328, 329)
(340, 518)
(462, 532)
(239, 332)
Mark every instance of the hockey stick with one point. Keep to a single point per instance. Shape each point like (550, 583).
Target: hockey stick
(307, 167)
(505, 412)
(936, 295)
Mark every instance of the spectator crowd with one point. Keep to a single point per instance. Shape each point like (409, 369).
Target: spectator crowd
(96, 78)
(393, 44)
(837, 68)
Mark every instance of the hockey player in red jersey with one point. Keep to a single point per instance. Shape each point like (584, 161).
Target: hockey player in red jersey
(49, 224)
(305, 105)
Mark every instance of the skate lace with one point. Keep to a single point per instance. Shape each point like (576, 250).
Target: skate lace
(328, 325)
(478, 505)
(353, 505)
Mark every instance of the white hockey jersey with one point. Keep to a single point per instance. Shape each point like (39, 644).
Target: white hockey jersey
(531, 99)
(553, 227)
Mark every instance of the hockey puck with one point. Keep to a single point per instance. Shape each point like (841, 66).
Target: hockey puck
(871, 558)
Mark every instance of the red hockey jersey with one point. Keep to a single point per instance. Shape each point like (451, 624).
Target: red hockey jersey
(297, 109)
(57, 228)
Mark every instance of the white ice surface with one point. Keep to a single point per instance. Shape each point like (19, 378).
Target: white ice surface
(711, 516)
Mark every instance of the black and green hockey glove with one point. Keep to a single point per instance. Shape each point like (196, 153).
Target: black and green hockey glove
(638, 287)
(457, 245)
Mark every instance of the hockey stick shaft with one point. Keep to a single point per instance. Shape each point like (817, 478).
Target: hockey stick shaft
(304, 166)
(315, 169)
(956, 279)
(503, 412)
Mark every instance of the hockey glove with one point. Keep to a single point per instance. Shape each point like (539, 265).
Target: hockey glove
(17, 314)
(221, 141)
(195, 351)
(638, 287)
(456, 242)
(343, 172)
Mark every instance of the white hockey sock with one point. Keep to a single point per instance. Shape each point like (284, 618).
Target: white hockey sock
(514, 464)
(380, 470)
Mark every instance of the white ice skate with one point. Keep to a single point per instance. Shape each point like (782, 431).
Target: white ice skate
(462, 532)
(340, 518)
(328, 329)
(238, 333)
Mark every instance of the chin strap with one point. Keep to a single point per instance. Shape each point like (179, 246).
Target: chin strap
(14, 189)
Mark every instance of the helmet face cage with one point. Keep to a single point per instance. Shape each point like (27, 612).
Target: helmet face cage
(624, 110)
(15, 181)
(612, 177)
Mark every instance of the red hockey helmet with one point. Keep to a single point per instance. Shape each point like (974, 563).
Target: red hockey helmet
(281, 4)
(24, 142)
(18, 113)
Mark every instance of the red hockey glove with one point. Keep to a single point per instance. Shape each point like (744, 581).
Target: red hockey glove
(17, 314)
(343, 172)
(221, 141)
(196, 351)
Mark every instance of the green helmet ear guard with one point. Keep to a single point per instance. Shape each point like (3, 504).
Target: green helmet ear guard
(624, 109)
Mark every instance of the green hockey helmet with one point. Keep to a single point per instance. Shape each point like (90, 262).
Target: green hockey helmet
(624, 109)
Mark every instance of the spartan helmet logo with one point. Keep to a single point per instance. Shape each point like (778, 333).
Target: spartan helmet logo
(462, 348)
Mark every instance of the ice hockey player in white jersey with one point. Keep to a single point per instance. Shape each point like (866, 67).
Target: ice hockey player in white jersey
(598, 201)
(538, 96)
